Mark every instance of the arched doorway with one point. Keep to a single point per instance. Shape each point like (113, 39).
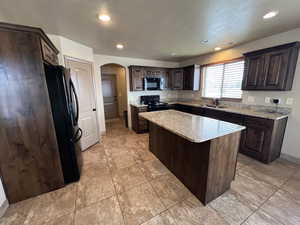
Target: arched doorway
(114, 90)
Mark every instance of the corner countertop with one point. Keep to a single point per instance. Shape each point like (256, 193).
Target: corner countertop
(191, 127)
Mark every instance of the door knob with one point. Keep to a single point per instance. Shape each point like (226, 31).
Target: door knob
(94, 110)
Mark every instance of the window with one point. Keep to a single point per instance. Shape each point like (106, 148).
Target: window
(223, 80)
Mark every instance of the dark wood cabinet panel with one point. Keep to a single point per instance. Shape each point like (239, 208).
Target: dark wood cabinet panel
(254, 72)
(271, 68)
(29, 157)
(139, 125)
(177, 79)
(261, 140)
(256, 138)
(276, 69)
(191, 78)
(137, 75)
(49, 55)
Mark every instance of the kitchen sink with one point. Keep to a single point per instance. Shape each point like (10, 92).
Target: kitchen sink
(216, 107)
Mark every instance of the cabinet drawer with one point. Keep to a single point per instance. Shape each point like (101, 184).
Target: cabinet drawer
(259, 122)
(48, 54)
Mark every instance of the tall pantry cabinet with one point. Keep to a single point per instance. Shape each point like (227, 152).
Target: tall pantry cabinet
(29, 155)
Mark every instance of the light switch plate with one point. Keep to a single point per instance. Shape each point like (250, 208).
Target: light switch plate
(289, 101)
(267, 99)
(251, 99)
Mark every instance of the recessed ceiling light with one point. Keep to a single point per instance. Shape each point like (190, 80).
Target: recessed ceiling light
(218, 48)
(104, 17)
(204, 41)
(119, 46)
(270, 15)
(173, 54)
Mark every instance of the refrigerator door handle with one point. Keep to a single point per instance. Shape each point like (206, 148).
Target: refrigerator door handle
(77, 103)
(76, 137)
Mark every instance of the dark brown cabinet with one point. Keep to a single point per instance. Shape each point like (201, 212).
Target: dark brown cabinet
(29, 156)
(254, 71)
(177, 79)
(271, 68)
(137, 75)
(49, 55)
(191, 78)
(139, 125)
(187, 78)
(262, 138)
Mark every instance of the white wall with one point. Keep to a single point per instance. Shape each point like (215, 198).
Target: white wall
(101, 60)
(291, 142)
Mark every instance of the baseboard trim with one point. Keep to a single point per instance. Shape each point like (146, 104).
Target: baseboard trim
(290, 158)
(3, 208)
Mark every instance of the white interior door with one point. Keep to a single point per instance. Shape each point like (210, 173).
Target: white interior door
(82, 77)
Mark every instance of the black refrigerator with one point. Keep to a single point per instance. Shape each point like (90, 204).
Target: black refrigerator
(65, 112)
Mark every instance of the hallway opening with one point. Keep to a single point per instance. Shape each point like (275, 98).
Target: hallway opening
(114, 90)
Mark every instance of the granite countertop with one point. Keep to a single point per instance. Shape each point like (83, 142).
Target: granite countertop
(191, 127)
(237, 110)
(242, 111)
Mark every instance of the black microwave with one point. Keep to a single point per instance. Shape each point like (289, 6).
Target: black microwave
(153, 83)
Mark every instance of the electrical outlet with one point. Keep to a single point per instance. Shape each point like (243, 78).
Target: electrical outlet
(289, 101)
(267, 99)
(251, 99)
(276, 100)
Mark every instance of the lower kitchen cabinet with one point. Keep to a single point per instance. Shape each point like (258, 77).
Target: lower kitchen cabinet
(263, 138)
(139, 125)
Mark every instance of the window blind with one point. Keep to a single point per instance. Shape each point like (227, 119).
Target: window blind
(223, 80)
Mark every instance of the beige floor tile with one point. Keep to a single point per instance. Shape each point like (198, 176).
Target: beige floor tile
(282, 207)
(252, 192)
(12, 219)
(52, 205)
(140, 204)
(94, 157)
(276, 173)
(153, 169)
(106, 212)
(22, 207)
(296, 175)
(243, 160)
(192, 212)
(170, 190)
(144, 155)
(164, 218)
(122, 161)
(261, 218)
(127, 178)
(94, 188)
(231, 208)
(63, 220)
(293, 187)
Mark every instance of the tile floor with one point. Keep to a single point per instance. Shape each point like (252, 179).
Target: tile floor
(124, 184)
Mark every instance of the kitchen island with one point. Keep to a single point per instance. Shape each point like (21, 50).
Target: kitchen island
(201, 152)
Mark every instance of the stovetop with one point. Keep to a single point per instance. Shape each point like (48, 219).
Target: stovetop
(157, 103)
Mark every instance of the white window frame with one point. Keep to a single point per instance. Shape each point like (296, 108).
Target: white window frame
(214, 64)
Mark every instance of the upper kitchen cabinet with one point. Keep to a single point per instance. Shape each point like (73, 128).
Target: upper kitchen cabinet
(271, 68)
(191, 78)
(137, 74)
(176, 79)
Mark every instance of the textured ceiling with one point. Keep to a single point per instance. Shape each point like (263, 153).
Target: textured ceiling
(154, 29)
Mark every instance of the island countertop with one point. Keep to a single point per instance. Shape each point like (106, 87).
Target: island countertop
(191, 127)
